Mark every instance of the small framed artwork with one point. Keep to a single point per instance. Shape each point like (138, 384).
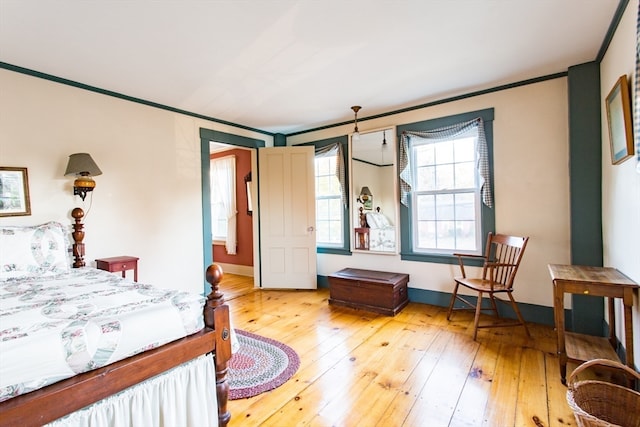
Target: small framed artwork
(619, 120)
(14, 192)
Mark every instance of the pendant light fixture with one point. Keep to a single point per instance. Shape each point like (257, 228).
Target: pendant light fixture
(384, 146)
(356, 135)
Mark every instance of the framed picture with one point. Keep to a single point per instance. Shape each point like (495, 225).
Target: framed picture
(619, 121)
(14, 192)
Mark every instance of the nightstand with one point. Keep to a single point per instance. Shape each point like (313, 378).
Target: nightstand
(119, 263)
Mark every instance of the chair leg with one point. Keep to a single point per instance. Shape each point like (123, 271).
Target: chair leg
(494, 305)
(453, 301)
(517, 310)
(477, 318)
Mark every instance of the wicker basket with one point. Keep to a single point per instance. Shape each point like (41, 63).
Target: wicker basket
(600, 403)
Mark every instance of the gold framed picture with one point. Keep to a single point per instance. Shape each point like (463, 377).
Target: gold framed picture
(619, 120)
(14, 192)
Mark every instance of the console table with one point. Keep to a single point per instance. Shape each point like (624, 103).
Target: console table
(598, 281)
(378, 291)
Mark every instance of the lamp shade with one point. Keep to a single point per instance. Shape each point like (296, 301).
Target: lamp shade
(365, 191)
(82, 164)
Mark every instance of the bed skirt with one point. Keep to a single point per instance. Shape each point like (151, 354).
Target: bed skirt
(183, 396)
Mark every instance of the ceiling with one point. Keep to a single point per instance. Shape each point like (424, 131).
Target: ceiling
(284, 66)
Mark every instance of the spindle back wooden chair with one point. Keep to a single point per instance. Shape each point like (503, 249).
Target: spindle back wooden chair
(502, 258)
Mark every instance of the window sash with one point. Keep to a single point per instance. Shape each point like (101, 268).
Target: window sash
(449, 227)
(440, 222)
(329, 199)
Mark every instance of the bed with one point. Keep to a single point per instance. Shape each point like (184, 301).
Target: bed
(382, 234)
(81, 346)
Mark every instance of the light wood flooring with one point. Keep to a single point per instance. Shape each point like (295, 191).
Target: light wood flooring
(415, 369)
(235, 285)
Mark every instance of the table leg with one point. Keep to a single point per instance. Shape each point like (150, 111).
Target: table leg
(558, 310)
(612, 322)
(628, 326)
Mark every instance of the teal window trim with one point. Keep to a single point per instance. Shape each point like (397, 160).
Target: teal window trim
(345, 249)
(487, 220)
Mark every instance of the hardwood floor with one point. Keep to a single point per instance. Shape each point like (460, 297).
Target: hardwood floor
(235, 285)
(415, 369)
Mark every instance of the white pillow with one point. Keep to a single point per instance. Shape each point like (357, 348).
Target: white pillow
(377, 220)
(34, 250)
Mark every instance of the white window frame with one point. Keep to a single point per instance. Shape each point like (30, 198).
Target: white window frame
(439, 191)
(337, 196)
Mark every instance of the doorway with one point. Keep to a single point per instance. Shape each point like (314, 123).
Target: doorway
(215, 141)
(237, 260)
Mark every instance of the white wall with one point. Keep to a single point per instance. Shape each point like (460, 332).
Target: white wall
(147, 202)
(621, 183)
(531, 184)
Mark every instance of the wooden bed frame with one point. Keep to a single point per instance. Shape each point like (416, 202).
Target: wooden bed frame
(57, 400)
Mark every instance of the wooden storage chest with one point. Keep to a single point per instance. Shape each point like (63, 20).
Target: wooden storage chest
(378, 291)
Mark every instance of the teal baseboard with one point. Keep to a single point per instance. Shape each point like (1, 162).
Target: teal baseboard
(323, 282)
(531, 312)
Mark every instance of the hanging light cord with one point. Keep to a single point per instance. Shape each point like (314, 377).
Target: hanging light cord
(355, 109)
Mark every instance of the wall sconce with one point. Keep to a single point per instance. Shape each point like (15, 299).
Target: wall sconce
(365, 195)
(84, 168)
(356, 134)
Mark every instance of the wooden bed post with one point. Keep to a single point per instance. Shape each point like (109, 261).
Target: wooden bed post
(216, 316)
(78, 237)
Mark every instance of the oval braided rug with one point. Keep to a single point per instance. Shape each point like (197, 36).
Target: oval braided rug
(261, 364)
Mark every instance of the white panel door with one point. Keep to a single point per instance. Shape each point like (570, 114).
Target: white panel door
(287, 217)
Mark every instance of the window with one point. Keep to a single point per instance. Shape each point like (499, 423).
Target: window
(223, 202)
(446, 186)
(447, 196)
(218, 218)
(329, 209)
(332, 210)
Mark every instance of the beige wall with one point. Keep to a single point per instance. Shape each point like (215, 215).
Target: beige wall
(531, 184)
(147, 202)
(621, 183)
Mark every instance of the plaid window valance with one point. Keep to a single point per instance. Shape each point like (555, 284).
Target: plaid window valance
(336, 150)
(458, 130)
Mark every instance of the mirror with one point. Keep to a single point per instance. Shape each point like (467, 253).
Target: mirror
(374, 192)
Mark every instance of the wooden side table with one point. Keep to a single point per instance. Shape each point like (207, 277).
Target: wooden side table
(599, 281)
(119, 263)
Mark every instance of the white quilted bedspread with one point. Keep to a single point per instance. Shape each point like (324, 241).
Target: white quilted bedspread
(54, 327)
